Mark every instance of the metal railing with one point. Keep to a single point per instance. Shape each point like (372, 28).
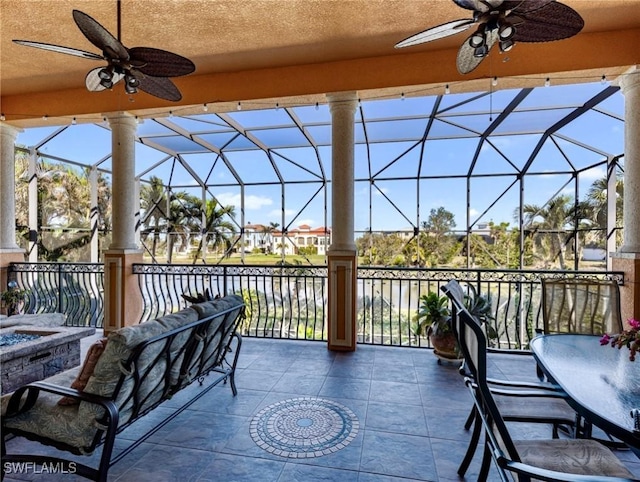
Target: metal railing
(75, 289)
(291, 301)
(281, 301)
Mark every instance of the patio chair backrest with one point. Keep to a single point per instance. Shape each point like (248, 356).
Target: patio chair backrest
(585, 306)
(454, 291)
(473, 344)
(456, 294)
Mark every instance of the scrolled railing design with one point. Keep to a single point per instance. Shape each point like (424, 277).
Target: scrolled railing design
(75, 289)
(291, 301)
(281, 301)
(388, 299)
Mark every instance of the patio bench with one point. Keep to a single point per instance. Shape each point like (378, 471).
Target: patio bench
(141, 367)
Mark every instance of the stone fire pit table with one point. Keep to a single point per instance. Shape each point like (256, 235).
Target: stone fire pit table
(56, 349)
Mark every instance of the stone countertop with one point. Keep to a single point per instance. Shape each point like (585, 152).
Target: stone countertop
(38, 319)
(52, 336)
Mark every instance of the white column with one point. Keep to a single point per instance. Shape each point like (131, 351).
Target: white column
(123, 131)
(341, 256)
(627, 258)
(8, 136)
(630, 87)
(123, 300)
(343, 107)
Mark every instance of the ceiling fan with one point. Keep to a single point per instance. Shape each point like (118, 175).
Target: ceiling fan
(504, 22)
(142, 68)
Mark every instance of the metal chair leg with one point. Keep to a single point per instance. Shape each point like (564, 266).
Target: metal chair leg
(473, 443)
(472, 416)
(486, 462)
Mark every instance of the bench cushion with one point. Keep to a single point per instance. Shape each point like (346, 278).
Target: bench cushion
(208, 353)
(58, 422)
(152, 368)
(76, 425)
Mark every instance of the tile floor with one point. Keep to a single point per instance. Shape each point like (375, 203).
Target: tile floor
(410, 411)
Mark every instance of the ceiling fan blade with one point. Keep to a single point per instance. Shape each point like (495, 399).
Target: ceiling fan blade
(92, 80)
(434, 33)
(525, 6)
(481, 6)
(160, 63)
(60, 49)
(555, 21)
(160, 87)
(100, 36)
(466, 61)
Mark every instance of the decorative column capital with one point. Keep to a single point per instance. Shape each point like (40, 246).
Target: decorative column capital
(121, 118)
(9, 131)
(342, 101)
(629, 80)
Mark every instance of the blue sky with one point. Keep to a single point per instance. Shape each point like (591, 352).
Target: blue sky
(392, 158)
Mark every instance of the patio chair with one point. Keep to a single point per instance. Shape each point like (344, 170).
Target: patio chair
(519, 401)
(583, 306)
(586, 306)
(524, 460)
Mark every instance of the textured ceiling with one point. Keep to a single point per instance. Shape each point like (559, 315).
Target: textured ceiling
(260, 49)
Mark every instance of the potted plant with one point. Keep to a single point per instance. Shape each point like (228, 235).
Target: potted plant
(13, 298)
(480, 306)
(434, 321)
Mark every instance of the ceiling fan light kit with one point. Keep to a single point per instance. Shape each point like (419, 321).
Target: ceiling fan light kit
(505, 22)
(142, 68)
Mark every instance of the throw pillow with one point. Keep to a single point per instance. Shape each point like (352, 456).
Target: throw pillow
(93, 354)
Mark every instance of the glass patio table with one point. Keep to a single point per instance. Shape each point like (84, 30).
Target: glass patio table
(602, 384)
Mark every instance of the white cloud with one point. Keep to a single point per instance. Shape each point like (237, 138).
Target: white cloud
(250, 202)
(276, 213)
(473, 212)
(380, 191)
(568, 191)
(595, 173)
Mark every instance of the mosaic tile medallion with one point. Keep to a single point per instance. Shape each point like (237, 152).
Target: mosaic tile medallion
(304, 427)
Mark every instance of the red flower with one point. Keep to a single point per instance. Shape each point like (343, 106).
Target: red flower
(629, 338)
(605, 339)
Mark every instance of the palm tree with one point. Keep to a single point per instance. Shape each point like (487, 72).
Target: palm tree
(597, 199)
(183, 219)
(216, 227)
(267, 235)
(153, 200)
(63, 209)
(559, 217)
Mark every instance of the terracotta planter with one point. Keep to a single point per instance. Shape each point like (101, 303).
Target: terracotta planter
(444, 346)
